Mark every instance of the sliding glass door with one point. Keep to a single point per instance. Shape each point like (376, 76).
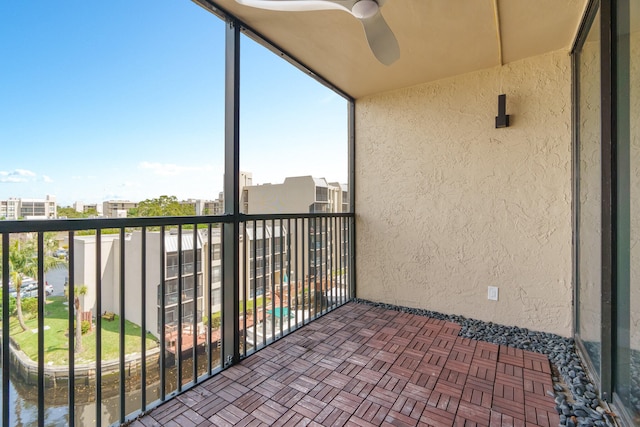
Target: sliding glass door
(589, 201)
(626, 362)
(607, 200)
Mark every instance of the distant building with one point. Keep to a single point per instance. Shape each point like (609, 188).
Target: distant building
(194, 275)
(205, 207)
(300, 194)
(84, 208)
(267, 266)
(341, 196)
(305, 194)
(117, 208)
(268, 244)
(17, 208)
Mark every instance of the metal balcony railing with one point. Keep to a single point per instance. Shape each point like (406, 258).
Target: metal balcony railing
(143, 345)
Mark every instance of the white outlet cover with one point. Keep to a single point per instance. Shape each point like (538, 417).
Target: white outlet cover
(493, 293)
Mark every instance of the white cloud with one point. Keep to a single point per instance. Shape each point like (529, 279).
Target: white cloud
(24, 172)
(17, 176)
(170, 169)
(46, 178)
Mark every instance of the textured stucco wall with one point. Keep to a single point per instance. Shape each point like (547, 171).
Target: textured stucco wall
(447, 205)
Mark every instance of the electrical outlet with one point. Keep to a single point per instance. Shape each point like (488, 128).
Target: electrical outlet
(493, 293)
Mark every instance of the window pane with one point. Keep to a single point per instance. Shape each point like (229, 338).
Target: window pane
(589, 263)
(627, 369)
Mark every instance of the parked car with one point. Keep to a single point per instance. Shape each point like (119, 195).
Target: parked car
(32, 293)
(61, 253)
(29, 289)
(29, 284)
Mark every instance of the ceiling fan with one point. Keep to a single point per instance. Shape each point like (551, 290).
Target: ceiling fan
(381, 40)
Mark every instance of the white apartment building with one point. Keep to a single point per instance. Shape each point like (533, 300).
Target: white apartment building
(206, 207)
(194, 275)
(267, 268)
(17, 208)
(266, 256)
(82, 207)
(299, 194)
(305, 194)
(117, 208)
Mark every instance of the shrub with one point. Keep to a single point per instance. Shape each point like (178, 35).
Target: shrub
(85, 326)
(215, 322)
(30, 306)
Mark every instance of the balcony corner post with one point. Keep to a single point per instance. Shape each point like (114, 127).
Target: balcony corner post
(231, 233)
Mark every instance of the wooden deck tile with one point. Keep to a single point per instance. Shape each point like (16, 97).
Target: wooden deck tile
(364, 366)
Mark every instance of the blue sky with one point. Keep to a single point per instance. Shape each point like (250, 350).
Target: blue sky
(124, 99)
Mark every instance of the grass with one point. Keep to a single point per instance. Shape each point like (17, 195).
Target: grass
(56, 340)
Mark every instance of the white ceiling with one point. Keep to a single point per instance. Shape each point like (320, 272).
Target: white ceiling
(438, 38)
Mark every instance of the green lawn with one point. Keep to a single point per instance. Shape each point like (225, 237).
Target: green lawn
(56, 341)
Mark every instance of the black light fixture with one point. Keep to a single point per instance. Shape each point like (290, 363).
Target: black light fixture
(502, 119)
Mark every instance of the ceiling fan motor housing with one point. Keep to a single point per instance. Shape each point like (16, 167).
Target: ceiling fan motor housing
(365, 9)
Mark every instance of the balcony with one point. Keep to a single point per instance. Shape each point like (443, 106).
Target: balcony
(144, 344)
(445, 203)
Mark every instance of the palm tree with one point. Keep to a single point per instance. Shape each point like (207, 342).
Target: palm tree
(23, 262)
(78, 291)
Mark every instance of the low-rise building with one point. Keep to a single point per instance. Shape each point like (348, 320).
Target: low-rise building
(19, 208)
(82, 207)
(117, 208)
(305, 194)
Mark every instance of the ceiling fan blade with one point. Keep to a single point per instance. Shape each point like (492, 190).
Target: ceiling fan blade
(381, 39)
(293, 5)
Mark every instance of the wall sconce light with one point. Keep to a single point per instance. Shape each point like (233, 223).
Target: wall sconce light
(502, 120)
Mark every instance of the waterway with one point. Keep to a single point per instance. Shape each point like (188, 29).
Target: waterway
(24, 409)
(23, 398)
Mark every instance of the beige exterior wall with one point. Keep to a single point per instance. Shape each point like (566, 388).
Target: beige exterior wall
(447, 205)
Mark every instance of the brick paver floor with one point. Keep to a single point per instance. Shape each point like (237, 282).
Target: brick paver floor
(366, 366)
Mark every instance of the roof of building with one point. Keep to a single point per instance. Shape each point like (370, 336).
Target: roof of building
(171, 241)
(270, 232)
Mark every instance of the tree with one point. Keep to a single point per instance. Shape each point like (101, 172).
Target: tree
(23, 262)
(12, 304)
(69, 212)
(162, 206)
(78, 291)
(50, 242)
